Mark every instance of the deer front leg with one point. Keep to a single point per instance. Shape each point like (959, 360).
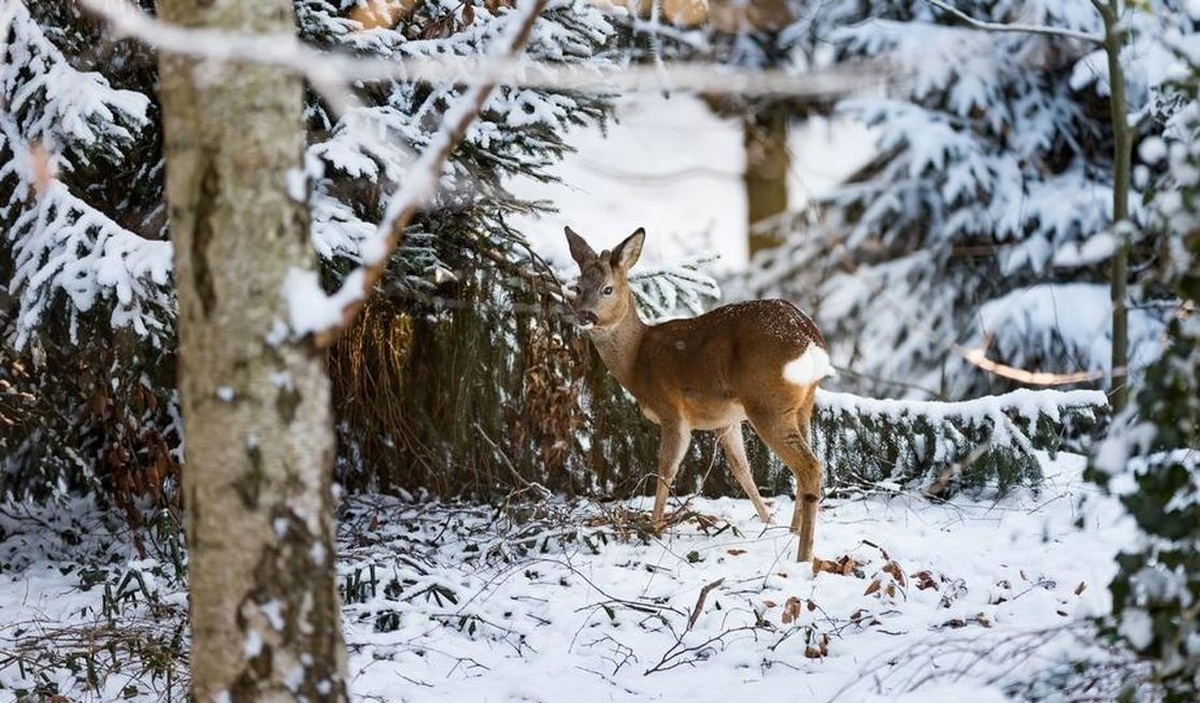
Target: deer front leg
(671, 450)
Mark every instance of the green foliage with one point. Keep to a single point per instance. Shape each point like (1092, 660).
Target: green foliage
(990, 442)
(1152, 461)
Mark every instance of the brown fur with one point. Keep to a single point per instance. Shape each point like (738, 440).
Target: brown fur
(710, 372)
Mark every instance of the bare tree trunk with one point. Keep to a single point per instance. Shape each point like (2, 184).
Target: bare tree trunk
(1114, 39)
(256, 406)
(764, 135)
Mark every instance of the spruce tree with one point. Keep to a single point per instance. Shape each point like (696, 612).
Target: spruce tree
(984, 220)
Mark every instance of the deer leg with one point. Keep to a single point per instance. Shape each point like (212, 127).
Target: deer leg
(788, 437)
(671, 450)
(735, 453)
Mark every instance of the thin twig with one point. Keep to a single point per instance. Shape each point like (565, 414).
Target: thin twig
(1043, 30)
(700, 601)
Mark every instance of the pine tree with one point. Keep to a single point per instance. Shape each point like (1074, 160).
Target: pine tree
(461, 358)
(983, 222)
(86, 322)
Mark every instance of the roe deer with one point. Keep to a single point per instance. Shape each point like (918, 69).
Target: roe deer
(759, 361)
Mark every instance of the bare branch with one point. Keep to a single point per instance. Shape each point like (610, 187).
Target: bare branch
(1019, 28)
(978, 357)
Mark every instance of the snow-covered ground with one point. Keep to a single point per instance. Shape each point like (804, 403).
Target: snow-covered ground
(917, 600)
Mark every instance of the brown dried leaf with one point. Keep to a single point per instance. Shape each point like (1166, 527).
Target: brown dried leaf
(893, 569)
(42, 167)
(925, 580)
(791, 610)
(735, 552)
(769, 603)
(872, 587)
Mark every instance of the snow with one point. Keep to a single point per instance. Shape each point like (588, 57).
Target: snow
(570, 623)
(310, 310)
(572, 605)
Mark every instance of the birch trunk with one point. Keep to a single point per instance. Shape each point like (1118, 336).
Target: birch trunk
(256, 406)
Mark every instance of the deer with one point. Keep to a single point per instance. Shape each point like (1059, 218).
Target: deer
(758, 361)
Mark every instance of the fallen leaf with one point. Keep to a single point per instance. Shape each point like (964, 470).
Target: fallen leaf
(791, 610)
(925, 581)
(872, 587)
(1080, 588)
(735, 552)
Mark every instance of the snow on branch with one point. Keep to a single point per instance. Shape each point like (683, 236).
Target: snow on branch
(61, 104)
(985, 442)
(59, 118)
(669, 290)
(62, 245)
(419, 186)
(330, 73)
(1019, 28)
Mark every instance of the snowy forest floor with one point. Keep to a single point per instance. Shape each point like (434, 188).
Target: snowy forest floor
(554, 601)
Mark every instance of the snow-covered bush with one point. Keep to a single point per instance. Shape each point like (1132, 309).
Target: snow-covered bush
(990, 442)
(983, 220)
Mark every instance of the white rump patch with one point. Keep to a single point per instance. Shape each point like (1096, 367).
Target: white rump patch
(809, 367)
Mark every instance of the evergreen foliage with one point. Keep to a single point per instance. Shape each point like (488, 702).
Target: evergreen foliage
(1152, 461)
(991, 442)
(982, 221)
(85, 326)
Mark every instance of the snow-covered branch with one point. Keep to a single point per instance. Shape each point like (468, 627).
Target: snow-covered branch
(420, 186)
(331, 73)
(1019, 28)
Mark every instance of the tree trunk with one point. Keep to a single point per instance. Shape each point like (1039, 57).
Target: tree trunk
(1114, 39)
(256, 405)
(765, 132)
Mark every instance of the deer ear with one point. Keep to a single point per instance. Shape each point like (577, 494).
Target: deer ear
(580, 251)
(627, 252)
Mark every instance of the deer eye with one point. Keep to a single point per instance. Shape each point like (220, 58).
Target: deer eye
(608, 290)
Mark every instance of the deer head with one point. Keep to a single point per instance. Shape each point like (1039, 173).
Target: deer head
(603, 297)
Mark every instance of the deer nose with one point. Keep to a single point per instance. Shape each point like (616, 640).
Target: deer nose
(586, 319)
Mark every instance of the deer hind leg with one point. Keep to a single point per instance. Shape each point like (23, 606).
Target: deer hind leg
(735, 453)
(787, 435)
(671, 450)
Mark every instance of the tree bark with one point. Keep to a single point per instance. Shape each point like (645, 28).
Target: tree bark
(1114, 39)
(765, 132)
(256, 405)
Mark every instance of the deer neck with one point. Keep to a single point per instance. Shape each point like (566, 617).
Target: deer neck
(618, 345)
